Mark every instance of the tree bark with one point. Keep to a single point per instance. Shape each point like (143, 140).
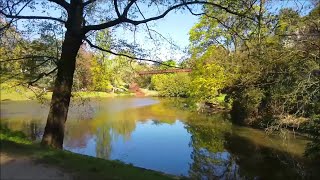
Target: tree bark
(59, 106)
(54, 130)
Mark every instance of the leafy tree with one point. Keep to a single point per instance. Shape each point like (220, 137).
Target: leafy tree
(172, 85)
(83, 75)
(210, 75)
(270, 75)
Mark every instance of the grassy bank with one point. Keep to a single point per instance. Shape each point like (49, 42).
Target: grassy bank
(82, 167)
(9, 92)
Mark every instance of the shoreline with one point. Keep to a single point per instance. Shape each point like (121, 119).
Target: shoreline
(18, 147)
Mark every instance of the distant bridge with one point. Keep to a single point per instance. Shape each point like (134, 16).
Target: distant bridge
(142, 73)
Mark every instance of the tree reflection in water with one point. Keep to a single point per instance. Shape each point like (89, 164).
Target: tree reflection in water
(210, 159)
(221, 152)
(110, 127)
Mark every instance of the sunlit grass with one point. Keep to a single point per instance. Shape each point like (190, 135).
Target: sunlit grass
(10, 92)
(93, 94)
(148, 92)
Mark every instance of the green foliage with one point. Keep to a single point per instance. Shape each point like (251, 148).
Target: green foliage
(26, 59)
(267, 76)
(217, 27)
(100, 80)
(113, 74)
(267, 73)
(14, 136)
(168, 64)
(246, 105)
(172, 85)
(210, 76)
(207, 81)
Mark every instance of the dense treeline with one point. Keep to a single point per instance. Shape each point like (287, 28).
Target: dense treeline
(270, 75)
(33, 62)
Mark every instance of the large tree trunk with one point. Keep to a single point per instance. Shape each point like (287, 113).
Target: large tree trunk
(54, 130)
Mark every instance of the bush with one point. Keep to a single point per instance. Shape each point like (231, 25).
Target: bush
(172, 85)
(245, 106)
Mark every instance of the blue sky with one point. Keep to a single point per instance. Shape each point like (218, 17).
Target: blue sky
(177, 25)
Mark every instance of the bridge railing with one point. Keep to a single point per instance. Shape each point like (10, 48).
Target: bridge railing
(163, 71)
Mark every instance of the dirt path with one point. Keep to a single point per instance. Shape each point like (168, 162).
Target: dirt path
(25, 168)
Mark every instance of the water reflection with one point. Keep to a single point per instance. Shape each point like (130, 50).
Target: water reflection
(152, 133)
(210, 160)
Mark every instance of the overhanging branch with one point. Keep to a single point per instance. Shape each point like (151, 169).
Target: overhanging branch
(124, 19)
(125, 55)
(185, 4)
(88, 2)
(32, 17)
(62, 3)
(40, 76)
(27, 57)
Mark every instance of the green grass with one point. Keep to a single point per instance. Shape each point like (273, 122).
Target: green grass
(148, 92)
(82, 167)
(10, 92)
(93, 94)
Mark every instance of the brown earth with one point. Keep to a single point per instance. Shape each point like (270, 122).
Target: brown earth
(20, 168)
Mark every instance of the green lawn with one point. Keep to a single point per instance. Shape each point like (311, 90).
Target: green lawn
(83, 167)
(9, 92)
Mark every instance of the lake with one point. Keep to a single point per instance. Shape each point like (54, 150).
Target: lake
(158, 134)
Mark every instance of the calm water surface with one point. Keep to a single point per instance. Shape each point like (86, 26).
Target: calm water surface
(154, 134)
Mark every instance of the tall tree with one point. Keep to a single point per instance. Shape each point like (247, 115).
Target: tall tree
(274, 78)
(81, 18)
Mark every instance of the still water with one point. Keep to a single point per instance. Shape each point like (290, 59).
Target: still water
(155, 134)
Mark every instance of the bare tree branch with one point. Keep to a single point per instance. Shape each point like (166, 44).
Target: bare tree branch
(115, 3)
(184, 4)
(32, 17)
(103, 26)
(88, 2)
(62, 3)
(26, 57)
(123, 18)
(125, 55)
(41, 76)
(144, 18)
(30, 69)
(126, 9)
(12, 20)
